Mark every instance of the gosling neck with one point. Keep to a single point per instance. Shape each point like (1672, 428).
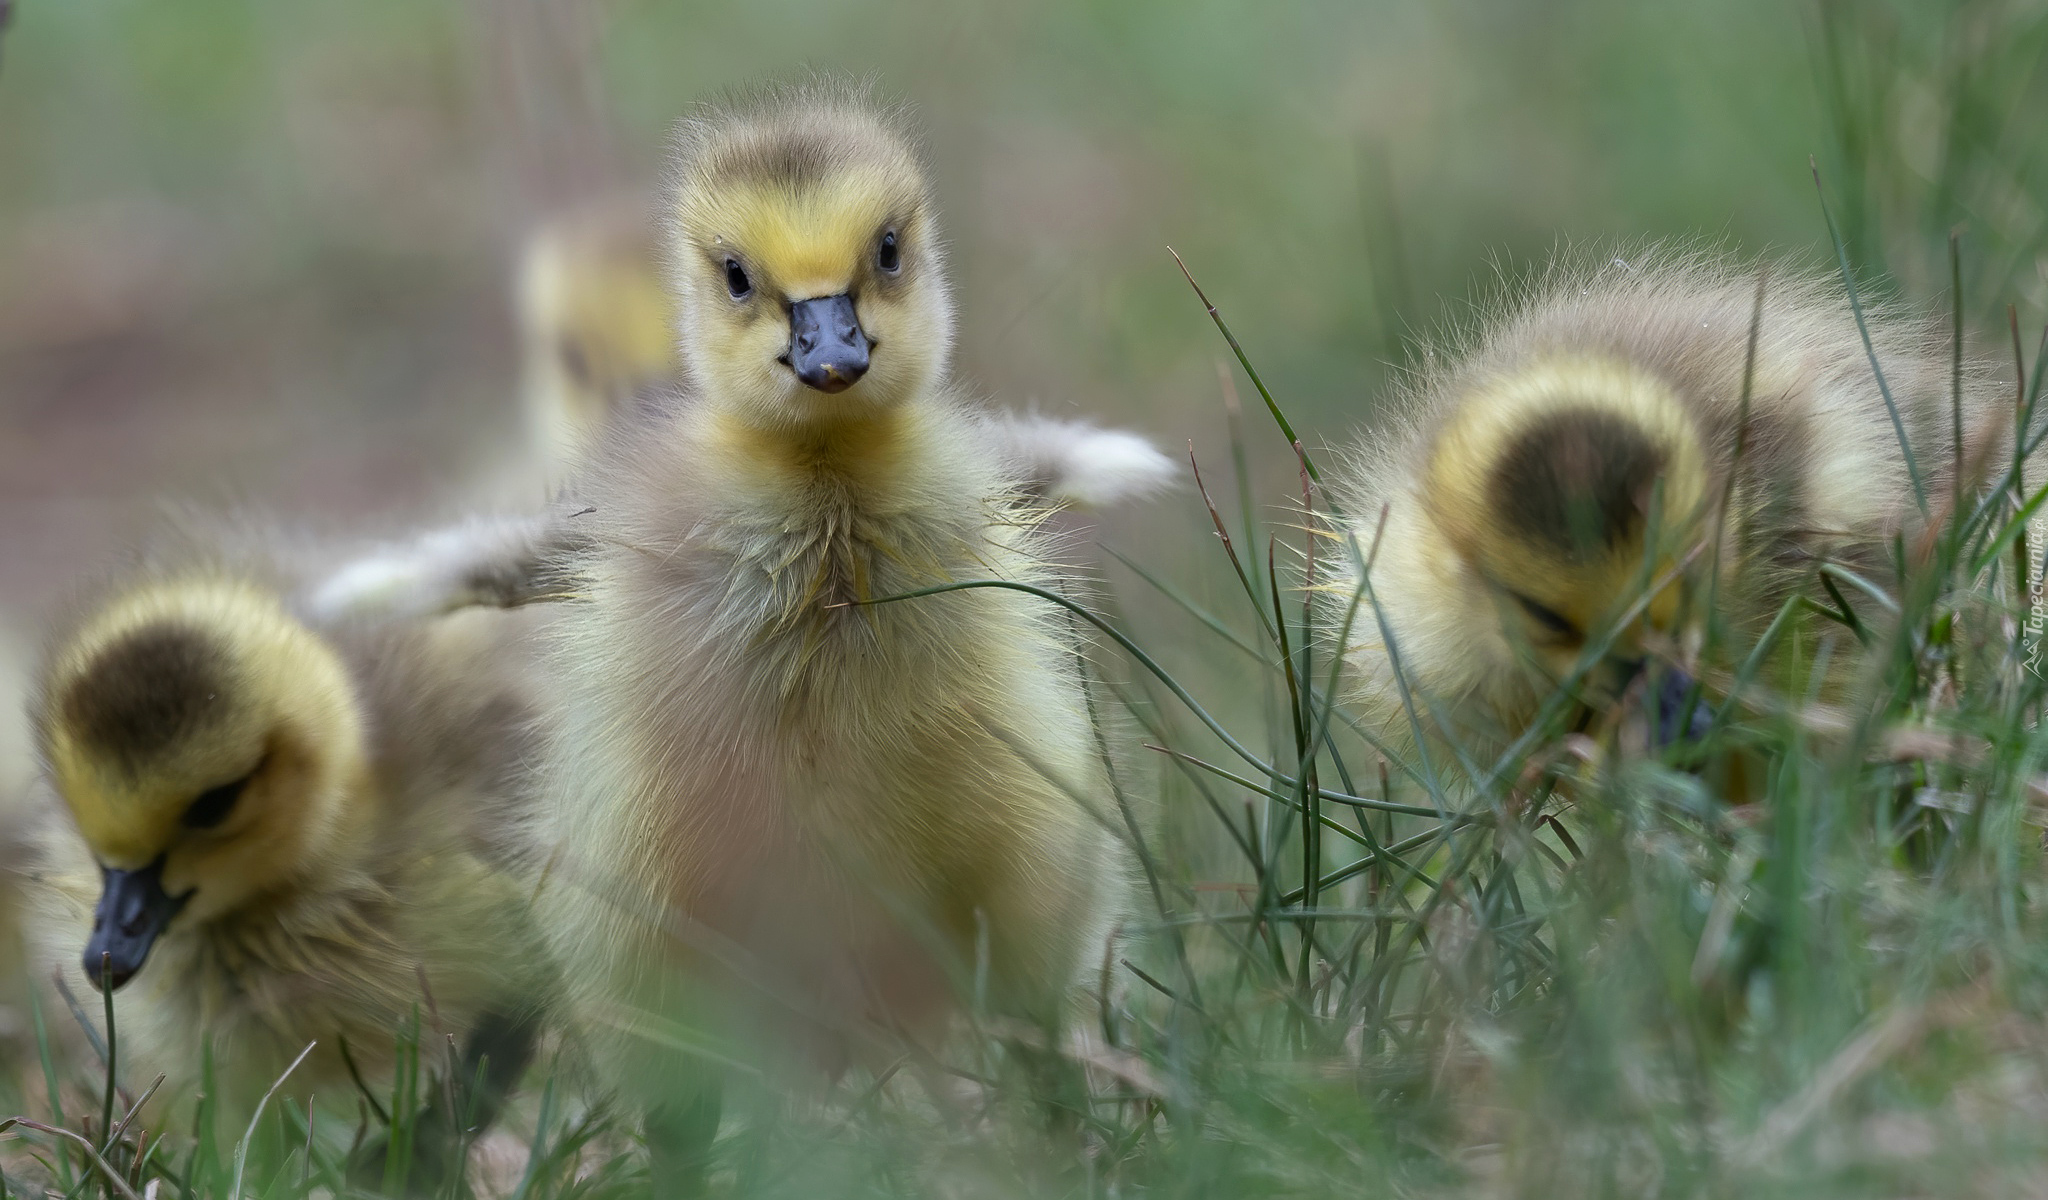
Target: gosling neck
(865, 450)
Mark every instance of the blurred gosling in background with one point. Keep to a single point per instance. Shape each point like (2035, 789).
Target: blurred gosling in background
(1560, 483)
(597, 328)
(810, 817)
(295, 834)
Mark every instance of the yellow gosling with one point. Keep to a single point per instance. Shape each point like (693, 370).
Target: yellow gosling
(776, 808)
(596, 325)
(1559, 485)
(280, 835)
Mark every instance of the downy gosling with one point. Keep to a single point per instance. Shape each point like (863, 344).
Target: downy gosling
(779, 808)
(1558, 488)
(294, 834)
(597, 324)
(596, 327)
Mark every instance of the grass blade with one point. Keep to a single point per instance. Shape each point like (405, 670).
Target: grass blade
(1863, 328)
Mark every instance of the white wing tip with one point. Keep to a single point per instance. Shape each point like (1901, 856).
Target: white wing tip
(371, 583)
(435, 572)
(1101, 467)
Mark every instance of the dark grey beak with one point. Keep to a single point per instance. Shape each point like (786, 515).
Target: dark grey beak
(134, 908)
(1674, 724)
(827, 348)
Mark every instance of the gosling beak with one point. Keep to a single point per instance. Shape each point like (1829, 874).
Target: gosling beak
(1674, 724)
(134, 908)
(827, 348)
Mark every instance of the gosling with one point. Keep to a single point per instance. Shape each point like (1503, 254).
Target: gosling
(1561, 487)
(596, 327)
(863, 804)
(294, 836)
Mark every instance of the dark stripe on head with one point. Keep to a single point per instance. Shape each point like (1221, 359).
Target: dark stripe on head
(147, 692)
(795, 137)
(792, 160)
(1578, 481)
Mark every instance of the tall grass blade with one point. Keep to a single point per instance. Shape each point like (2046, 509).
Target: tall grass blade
(1863, 329)
(256, 1118)
(1251, 372)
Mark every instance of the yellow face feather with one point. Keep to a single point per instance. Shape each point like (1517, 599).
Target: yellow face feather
(198, 723)
(1571, 487)
(810, 242)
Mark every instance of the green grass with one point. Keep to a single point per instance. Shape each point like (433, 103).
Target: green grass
(1350, 976)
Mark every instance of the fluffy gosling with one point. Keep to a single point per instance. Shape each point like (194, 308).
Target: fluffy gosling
(596, 327)
(858, 804)
(1559, 485)
(288, 829)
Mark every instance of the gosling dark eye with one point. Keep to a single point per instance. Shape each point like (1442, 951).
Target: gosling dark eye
(889, 258)
(1552, 622)
(215, 804)
(736, 280)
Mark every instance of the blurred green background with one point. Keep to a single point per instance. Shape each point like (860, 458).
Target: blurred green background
(254, 251)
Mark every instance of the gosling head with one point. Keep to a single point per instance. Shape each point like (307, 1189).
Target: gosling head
(806, 260)
(596, 320)
(208, 747)
(1568, 491)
